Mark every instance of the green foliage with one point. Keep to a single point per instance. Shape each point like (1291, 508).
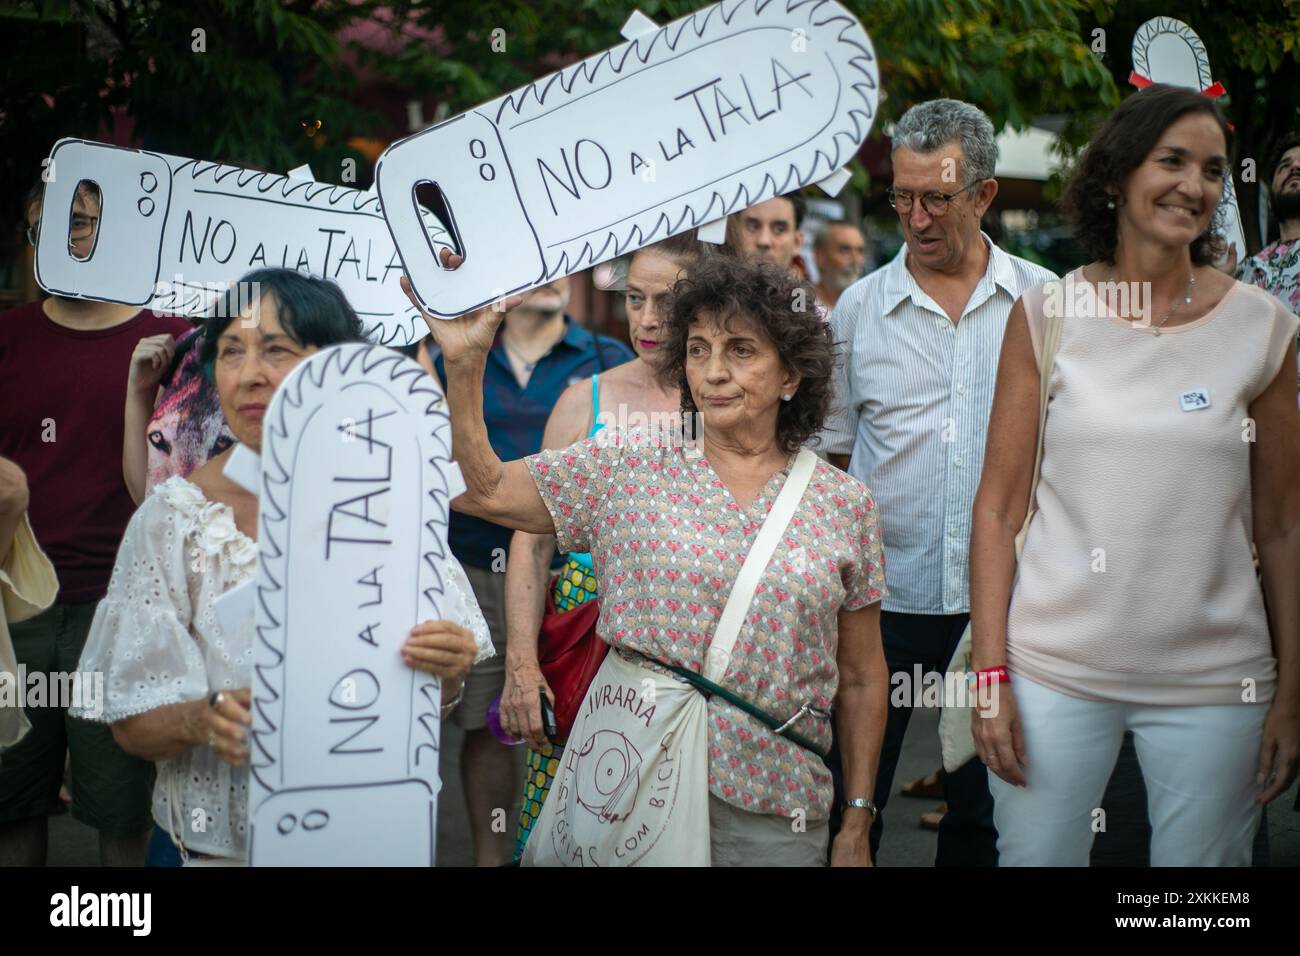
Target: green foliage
(1254, 51)
(1015, 59)
(272, 69)
(267, 72)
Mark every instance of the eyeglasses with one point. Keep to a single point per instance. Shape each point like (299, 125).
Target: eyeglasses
(81, 226)
(934, 203)
(78, 228)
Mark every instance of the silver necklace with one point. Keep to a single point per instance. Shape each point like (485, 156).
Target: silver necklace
(518, 356)
(1186, 300)
(527, 365)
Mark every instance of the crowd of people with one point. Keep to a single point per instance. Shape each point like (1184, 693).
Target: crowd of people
(955, 395)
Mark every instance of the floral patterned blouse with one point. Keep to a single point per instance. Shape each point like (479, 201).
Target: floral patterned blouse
(1276, 270)
(668, 541)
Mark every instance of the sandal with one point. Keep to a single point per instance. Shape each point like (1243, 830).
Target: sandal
(927, 788)
(931, 820)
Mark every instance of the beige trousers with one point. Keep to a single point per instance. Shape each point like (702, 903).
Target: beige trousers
(740, 838)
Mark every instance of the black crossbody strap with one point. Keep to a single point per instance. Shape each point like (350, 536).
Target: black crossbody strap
(708, 689)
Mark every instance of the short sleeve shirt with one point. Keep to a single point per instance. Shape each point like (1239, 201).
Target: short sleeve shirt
(1276, 270)
(668, 540)
(62, 391)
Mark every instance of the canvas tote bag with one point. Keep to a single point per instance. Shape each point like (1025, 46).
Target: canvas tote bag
(955, 734)
(28, 586)
(633, 784)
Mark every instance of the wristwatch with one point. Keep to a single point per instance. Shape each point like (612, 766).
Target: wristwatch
(863, 804)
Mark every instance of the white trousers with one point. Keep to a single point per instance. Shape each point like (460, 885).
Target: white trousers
(1199, 765)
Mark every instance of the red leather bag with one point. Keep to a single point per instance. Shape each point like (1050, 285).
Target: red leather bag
(569, 653)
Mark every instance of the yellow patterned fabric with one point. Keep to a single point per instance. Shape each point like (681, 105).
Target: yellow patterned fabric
(575, 584)
(543, 765)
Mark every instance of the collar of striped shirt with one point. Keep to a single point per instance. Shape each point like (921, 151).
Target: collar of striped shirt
(913, 396)
(899, 284)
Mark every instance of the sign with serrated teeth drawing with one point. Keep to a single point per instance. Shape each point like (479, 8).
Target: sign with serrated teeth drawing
(679, 126)
(1166, 50)
(174, 233)
(355, 485)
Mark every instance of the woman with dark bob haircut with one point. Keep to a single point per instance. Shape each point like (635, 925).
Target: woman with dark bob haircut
(1170, 446)
(177, 682)
(313, 313)
(753, 360)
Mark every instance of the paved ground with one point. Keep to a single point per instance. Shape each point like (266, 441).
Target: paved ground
(905, 843)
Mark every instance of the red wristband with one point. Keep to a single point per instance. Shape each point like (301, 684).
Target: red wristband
(993, 675)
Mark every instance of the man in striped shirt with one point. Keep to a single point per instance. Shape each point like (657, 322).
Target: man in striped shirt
(922, 337)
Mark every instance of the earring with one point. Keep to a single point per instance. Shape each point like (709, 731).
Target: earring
(786, 398)
(1110, 203)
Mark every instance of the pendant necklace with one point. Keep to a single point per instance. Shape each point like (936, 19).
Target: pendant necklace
(517, 356)
(527, 366)
(1186, 300)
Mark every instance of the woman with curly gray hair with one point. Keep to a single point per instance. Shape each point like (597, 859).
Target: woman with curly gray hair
(669, 525)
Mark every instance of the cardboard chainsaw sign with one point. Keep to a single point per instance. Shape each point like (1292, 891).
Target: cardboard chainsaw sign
(679, 127)
(174, 233)
(354, 490)
(675, 129)
(1166, 50)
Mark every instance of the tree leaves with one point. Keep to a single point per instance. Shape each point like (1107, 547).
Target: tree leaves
(272, 65)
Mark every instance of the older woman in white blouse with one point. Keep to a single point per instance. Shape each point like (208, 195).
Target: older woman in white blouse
(176, 683)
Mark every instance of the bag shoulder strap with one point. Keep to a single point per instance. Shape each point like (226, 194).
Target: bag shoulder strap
(1051, 332)
(742, 592)
(709, 689)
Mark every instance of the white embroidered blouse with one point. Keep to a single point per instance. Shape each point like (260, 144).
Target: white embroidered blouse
(157, 641)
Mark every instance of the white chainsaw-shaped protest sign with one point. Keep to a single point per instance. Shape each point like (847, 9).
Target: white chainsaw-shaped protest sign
(1166, 50)
(173, 234)
(674, 129)
(354, 485)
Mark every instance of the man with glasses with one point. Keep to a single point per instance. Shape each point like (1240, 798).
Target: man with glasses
(83, 224)
(63, 387)
(922, 337)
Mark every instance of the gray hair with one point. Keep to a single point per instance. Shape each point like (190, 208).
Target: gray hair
(824, 233)
(934, 124)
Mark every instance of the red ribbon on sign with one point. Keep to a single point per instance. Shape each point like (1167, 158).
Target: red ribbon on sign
(1213, 91)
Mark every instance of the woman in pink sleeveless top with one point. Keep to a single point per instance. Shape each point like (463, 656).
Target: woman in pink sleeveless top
(1171, 446)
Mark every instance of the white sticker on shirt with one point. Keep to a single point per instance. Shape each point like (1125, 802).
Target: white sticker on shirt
(1194, 399)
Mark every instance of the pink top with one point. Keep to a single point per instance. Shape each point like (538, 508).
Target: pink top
(668, 540)
(1137, 581)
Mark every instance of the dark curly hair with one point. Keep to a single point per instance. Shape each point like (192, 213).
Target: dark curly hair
(1122, 144)
(1288, 142)
(784, 311)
